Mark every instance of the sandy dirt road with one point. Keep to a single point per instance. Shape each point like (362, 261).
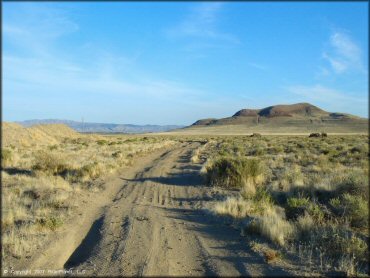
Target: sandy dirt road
(150, 221)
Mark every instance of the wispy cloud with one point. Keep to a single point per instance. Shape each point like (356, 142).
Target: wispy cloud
(55, 77)
(46, 65)
(35, 28)
(345, 46)
(343, 54)
(202, 24)
(338, 65)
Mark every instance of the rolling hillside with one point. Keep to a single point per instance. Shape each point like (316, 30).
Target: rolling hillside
(17, 135)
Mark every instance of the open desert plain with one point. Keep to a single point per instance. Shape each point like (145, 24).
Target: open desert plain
(184, 139)
(179, 203)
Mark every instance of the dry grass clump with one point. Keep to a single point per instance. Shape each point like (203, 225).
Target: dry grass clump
(272, 225)
(195, 158)
(265, 250)
(49, 163)
(89, 171)
(291, 177)
(259, 218)
(234, 207)
(271, 255)
(6, 157)
(198, 154)
(260, 215)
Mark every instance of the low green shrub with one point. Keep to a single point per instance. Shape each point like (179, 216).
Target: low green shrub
(294, 202)
(102, 142)
(315, 210)
(117, 154)
(232, 172)
(354, 183)
(263, 196)
(296, 207)
(51, 222)
(354, 208)
(53, 147)
(257, 151)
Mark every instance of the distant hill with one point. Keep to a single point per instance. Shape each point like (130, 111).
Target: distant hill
(102, 127)
(15, 134)
(293, 118)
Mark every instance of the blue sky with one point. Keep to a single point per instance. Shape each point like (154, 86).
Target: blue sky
(177, 62)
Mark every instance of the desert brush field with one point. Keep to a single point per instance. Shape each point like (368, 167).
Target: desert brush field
(189, 205)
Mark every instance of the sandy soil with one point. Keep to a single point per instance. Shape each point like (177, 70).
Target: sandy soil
(150, 220)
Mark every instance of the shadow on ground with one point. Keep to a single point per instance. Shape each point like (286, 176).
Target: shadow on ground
(83, 251)
(177, 179)
(17, 171)
(225, 238)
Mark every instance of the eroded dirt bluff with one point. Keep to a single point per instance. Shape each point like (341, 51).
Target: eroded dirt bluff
(151, 221)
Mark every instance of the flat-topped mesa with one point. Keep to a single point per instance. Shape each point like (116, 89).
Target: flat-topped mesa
(303, 109)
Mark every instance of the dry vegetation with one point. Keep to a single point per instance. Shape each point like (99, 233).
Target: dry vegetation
(307, 196)
(39, 182)
(16, 135)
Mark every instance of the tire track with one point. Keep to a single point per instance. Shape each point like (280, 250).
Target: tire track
(154, 225)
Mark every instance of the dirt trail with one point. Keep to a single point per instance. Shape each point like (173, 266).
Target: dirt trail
(150, 221)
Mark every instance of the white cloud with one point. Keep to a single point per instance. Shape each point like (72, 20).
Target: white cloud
(322, 93)
(337, 64)
(202, 24)
(343, 54)
(345, 46)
